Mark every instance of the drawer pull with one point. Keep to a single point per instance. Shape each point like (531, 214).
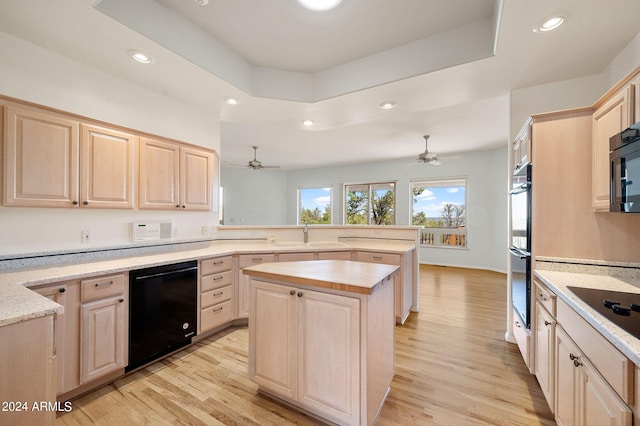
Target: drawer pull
(220, 293)
(256, 259)
(62, 290)
(518, 324)
(218, 262)
(120, 300)
(377, 257)
(218, 278)
(104, 284)
(218, 309)
(547, 323)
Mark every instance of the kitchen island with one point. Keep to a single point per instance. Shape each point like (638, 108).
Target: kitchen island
(322, 335)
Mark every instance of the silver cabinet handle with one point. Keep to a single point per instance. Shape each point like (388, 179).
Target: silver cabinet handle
(218, 309)
(218, 278)
(218, 294)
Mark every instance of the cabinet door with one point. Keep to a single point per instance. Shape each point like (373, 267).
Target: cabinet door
(243, 280)
(544, 352)
(159, 174)
(66, 333)
(106, 168)
(609, 119)
(103, 342)
(196, 179)
(599, 403)
(40, 159)
(329, 355)
(273, 336)
(567, 380)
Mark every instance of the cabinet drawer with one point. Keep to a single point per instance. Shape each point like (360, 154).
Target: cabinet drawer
(216, 280)
(254, 259)
(292, 257)
(216, 315)
(97, 288)
(334, 255)
(616, 368)
(372, 257)
(546, 297)
(211, 266)
(213, 297)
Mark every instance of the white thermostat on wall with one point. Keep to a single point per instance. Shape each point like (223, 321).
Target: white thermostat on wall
(150, 231)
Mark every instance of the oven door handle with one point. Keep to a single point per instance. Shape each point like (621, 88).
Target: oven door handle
(519, 253)
(522, 188)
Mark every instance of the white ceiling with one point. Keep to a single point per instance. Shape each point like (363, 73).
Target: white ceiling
(448, 64)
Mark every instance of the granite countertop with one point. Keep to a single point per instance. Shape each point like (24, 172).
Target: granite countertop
(18, 303)
(344, 275)
(558, 283)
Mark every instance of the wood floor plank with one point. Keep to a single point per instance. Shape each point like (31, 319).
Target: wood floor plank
(453, 367)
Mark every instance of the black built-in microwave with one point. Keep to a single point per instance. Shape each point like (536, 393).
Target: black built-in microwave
(624, 156)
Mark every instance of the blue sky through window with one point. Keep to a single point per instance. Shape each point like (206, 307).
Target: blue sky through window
(433, 199)
(310, 198)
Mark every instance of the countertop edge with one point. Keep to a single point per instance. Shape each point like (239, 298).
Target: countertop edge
(623, 341)
(16, 300)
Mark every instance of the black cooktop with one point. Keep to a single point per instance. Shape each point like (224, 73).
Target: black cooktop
(623, 309)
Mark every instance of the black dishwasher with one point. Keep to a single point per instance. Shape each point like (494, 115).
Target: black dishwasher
(162, 311)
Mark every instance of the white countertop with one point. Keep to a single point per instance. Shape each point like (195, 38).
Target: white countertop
(558, 283)
(18, 303)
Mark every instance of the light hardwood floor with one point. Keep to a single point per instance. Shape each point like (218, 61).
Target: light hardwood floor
(453, 367)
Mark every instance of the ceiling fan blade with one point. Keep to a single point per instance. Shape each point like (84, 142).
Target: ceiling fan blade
(269, 167)
(434, 162)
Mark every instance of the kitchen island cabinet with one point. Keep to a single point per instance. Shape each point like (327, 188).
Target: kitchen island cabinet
(322, 335)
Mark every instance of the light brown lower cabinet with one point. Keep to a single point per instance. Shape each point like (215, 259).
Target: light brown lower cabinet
(244, 260)
(103, 327)
(27, 372)
(67, 332)
(329, 354)
(544, 359)
(582, 396)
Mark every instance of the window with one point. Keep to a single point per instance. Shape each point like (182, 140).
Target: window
(440, 207)
(370, 204)
(314, 206)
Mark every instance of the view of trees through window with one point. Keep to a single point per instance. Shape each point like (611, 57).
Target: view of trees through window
(440, 204)
(314, 206)
(370, 204)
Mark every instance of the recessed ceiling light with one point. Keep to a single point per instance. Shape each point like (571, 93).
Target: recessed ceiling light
(202, 2)
(319, 5)
(141, 57)
(230, 101)
(307, 123)
(549, 24)
(387, 105)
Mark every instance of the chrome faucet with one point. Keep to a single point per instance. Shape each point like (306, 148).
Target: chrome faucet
(305, 231)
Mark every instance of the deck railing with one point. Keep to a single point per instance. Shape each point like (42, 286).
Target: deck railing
(443, 237)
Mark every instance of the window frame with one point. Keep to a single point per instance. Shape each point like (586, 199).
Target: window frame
(427, 239)
(299, 203)
(369, 186)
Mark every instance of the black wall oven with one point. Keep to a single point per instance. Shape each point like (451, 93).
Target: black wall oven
(624, 155)
(521, 245)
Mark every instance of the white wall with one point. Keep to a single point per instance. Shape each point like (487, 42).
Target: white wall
(486, 200)
(38, 75)
(254, 197)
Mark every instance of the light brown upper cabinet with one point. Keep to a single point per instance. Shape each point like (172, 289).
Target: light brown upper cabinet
(107, 164)
(173, 176)
(611, 117)
(521, 154)
(53, 161)
(40, 159)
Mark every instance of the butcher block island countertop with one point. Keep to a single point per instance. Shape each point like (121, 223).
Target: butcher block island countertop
(345, 275)
(322, 336)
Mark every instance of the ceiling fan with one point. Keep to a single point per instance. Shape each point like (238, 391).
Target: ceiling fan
(255, 164)
(428, 157)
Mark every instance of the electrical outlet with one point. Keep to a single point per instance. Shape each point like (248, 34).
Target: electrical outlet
(87, 235)
(205, 230)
